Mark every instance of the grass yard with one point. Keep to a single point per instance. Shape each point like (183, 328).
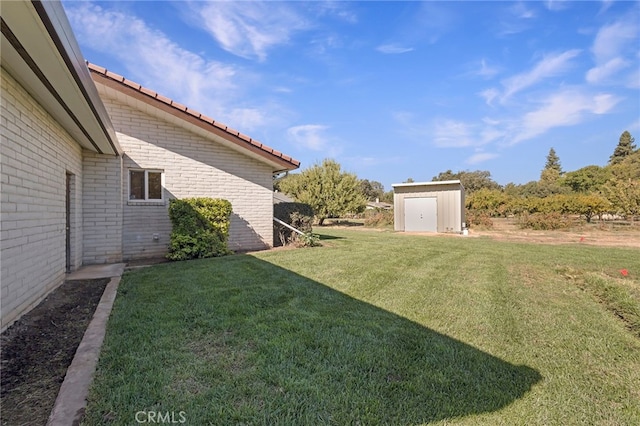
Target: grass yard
(378, 328)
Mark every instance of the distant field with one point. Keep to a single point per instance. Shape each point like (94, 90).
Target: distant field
(607, 233)
(377, 327)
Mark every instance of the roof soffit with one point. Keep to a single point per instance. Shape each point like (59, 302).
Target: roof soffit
(38, 51)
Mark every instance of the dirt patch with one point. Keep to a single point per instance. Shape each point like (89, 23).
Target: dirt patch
(596, 234)
(39, 347)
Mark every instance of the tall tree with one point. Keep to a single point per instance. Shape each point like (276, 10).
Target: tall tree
(371, 189)
(553, 162)
(625, 148)
(327, 189)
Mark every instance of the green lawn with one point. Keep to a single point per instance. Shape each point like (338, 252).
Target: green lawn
(379, 328)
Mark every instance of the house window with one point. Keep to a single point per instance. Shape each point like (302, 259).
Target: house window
(145, 185)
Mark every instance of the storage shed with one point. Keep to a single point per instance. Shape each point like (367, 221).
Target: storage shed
(429, 206)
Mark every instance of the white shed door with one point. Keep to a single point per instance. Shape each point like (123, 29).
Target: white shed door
(421, 214)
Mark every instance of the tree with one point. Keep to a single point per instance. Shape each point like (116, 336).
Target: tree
(625, 148)
(327, 189)
(409, 180)
(587, 179)
(553, 162)
(472, 181)
(372, 190)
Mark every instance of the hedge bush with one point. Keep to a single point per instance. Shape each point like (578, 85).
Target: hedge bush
(298, 215)
(200, 228)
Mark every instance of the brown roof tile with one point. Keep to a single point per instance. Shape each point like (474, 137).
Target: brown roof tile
(189, 115)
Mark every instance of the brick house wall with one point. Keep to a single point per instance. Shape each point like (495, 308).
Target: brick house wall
(37, 154)
(102, 208)
(193, 166)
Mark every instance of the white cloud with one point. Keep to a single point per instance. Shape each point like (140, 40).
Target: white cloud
(339, 9)
(609, 48)
(393, 49)
(556, 5)
(309, 136)
(490, 95)
(612, 39)
(565, 108)
(521, 11)
(549, 66)
(152, 59)
(606, 70)
(480, 157)
(486, 70)
(453, 134)
(249, 29)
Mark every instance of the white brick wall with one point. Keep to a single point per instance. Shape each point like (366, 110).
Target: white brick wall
(36, 155)
(193, 167)
(102, 208)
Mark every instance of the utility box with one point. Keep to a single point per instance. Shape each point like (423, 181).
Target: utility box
(429, 206)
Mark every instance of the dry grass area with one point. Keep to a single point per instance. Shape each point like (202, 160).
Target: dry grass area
(607, 234)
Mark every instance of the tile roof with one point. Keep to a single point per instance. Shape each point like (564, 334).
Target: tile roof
(189, 114)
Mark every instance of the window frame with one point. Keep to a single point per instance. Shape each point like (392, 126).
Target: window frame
(146, 199)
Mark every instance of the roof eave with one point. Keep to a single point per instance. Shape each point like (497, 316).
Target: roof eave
(40, 51)
(277, 160)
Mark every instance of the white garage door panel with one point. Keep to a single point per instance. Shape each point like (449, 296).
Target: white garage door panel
(421, 214)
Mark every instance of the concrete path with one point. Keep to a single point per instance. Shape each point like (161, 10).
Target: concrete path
(72, 397)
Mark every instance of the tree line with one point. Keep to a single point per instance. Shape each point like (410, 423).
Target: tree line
(589, 191)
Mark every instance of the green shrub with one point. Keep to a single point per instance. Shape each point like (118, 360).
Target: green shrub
(544, 221)
(200, 228)
(298, 215)
(378, 218)
(308, 240)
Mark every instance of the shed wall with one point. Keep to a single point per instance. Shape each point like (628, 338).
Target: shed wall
(450, 200)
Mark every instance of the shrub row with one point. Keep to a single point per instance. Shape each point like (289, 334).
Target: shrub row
(544, 221)
(496, 203)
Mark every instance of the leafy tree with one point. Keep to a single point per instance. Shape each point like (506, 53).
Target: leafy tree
(371, 189)
(623, 188)
(590, 205)
(493, 202)
(472, 181)
(553, 162)
(327, 189)
(409, 180)
(625, 148)
(587, 179)
(624, 195)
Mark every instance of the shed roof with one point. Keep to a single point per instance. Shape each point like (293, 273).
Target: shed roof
(193, 119)
(442, 182)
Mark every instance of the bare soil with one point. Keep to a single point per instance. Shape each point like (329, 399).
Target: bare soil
(39, 347)
(607, 234)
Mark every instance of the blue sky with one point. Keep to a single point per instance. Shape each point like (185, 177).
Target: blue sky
(390, 90)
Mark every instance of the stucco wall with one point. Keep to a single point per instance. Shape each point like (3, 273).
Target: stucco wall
(37, 154)
(193, 167)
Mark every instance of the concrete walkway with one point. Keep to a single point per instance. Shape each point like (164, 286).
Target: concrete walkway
(72, 397)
